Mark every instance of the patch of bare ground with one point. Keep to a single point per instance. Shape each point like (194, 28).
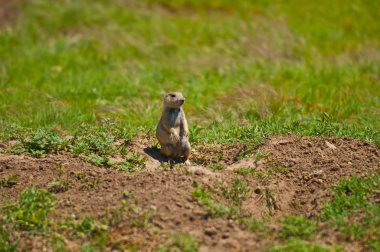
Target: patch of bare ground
(293, 177)
(207, 153)
(311, 165)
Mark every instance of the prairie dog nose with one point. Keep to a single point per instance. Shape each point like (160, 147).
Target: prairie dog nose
(182, 100)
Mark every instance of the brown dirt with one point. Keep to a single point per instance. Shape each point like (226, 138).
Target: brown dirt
(206, 154)
(9, 10)
(298, 171)
(315, 164)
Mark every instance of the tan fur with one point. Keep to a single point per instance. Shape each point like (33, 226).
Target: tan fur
(172, 131)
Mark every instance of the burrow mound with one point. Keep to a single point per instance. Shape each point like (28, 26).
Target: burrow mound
(298, 171)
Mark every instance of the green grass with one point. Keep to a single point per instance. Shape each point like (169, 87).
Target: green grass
(299, 67)
(181, 242)
(350, 195)
(213, 208)
(352, 211)
(85, 77)
(31, 210)
(352, 215)
(237, 193)
(132, 214)
(297, 226)
(225, 200)
(6, 243)
(258, 226)
(9, 181)
(244, 171)
(296, 245)
(89, 227)
(30, 218)
(58, 186)
(95, 144)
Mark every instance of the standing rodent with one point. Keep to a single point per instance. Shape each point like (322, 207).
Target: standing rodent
(172, 131)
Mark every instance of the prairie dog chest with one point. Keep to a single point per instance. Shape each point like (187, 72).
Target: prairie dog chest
(175, 117)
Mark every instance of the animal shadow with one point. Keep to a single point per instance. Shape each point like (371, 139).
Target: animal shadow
(154, 153)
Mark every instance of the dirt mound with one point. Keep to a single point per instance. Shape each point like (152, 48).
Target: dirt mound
(312, 165)
(291, 176)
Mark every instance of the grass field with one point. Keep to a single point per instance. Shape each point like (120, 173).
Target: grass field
(79, 76)
(282, 67)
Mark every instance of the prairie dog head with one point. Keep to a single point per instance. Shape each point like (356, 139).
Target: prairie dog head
(174, 100)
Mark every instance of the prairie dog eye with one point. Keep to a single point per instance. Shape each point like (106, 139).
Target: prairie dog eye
(172, 95)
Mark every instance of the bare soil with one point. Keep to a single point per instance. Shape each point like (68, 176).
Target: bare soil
(297, 170)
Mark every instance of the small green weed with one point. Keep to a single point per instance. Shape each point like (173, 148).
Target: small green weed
(253, 225)
(280, 169)
(93, 230)
(97, 142)
(296, 245)
(93, 143)
(90, 227)
(217, 166)
(59, 168)
(87, 247)
(297, 226)
(237, 193)
(31, 210)
(6, 244)
(244, 171)
(140, 217)
(102, 161)
(234, 197)
(251, 171)
(352, 200)
(194, 133)
(126, 246)
(349, 195)
(89, 184)
(181, 242)
(42, 142)
(213, 208)
(58, 243)
(126, 194)
(10, 181)
(132, 214)
(58, 186)
(166, 166)
(374, 244)
(79, 175)
(133, 163)
(13, 132)
(187, 171)
(259, 155)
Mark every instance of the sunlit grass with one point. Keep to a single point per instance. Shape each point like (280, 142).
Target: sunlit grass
(273, 67)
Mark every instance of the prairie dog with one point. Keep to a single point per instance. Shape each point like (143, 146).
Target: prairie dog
(172, 131)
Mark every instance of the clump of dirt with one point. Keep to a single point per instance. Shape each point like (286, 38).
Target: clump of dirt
(292, 178)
